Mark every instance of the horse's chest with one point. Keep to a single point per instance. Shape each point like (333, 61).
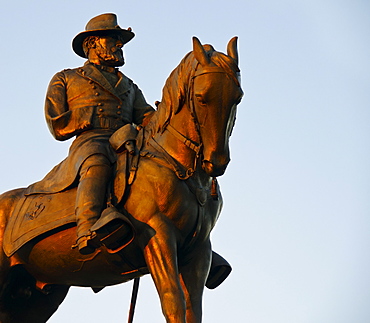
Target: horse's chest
(209, 203)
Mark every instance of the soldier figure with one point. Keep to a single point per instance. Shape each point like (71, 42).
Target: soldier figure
(91, 103)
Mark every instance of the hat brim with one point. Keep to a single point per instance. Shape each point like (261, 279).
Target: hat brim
(79, 39)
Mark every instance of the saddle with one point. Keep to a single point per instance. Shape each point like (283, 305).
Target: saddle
(37, 214)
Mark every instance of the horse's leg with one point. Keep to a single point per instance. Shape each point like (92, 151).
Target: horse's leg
(40, 307)
(193, 276)
(45, 303)
(22, 302)
(7, 202)
(161, 257)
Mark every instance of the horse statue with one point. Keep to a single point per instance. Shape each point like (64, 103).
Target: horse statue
(172, 203)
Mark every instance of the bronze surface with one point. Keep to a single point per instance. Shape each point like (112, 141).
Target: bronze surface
(171, 200)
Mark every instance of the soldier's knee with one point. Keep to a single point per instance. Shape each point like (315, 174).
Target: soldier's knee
(95, 165)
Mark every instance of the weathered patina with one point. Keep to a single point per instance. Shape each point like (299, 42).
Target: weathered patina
(138, 190)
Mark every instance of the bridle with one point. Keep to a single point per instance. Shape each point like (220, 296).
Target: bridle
(196, 146)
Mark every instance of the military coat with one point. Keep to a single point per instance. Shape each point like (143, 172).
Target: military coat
(82, 102)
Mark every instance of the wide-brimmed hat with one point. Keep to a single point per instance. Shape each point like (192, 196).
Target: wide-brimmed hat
(102, 25)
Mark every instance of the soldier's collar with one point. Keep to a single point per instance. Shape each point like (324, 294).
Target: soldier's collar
(108, 69)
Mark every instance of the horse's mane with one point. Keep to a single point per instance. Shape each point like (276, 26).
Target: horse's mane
(177, 85)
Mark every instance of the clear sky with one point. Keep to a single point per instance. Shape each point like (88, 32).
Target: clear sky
(295, 224)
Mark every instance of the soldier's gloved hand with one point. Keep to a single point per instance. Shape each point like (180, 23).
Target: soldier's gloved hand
(130, 146)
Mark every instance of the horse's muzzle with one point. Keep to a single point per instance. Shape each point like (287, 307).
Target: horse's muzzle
(213, 169)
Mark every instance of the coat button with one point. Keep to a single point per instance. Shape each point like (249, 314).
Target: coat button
(93, 87)
(97, 93)
(91, 81)
(119, 107)
(100, 104)
(101, 110)
(118, 112)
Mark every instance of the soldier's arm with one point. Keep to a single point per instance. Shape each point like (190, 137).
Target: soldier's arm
(63, 123)
(142, 110)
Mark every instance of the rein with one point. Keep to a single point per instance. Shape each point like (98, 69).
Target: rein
(194, 146)
(187, 142)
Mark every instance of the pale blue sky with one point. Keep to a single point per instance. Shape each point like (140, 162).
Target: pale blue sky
(295, 224)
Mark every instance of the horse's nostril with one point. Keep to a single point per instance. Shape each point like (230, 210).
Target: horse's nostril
(212, 169)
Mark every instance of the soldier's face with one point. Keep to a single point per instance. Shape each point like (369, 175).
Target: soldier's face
(109, 51)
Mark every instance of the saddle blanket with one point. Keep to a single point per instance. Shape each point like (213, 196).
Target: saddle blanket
(38, 214)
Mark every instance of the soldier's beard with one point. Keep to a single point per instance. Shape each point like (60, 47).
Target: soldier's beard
(110, 57)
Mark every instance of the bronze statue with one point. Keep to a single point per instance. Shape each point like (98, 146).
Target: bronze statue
(138, 192)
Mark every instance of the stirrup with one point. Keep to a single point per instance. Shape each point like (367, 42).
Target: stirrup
(86, 244)
(113, 229)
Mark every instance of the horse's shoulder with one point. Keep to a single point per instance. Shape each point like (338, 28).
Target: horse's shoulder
(154, 177)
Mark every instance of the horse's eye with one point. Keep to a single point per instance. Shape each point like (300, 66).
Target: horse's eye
(200, 99)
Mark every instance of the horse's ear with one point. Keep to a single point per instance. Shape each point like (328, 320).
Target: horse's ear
(232, 49)
(199, 52)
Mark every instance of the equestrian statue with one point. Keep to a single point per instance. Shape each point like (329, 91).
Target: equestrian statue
(137, 193)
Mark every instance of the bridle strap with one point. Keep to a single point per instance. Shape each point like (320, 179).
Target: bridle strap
(216, 69)
(187, 142)
(208, 69)
(196, 147)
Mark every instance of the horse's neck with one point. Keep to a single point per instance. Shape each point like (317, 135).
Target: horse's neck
(183, 124)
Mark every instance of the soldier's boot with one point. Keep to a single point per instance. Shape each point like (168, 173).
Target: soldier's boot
(95, 226)
(90, 202)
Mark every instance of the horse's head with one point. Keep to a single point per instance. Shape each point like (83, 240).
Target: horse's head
(215, 95)
(207, 83)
